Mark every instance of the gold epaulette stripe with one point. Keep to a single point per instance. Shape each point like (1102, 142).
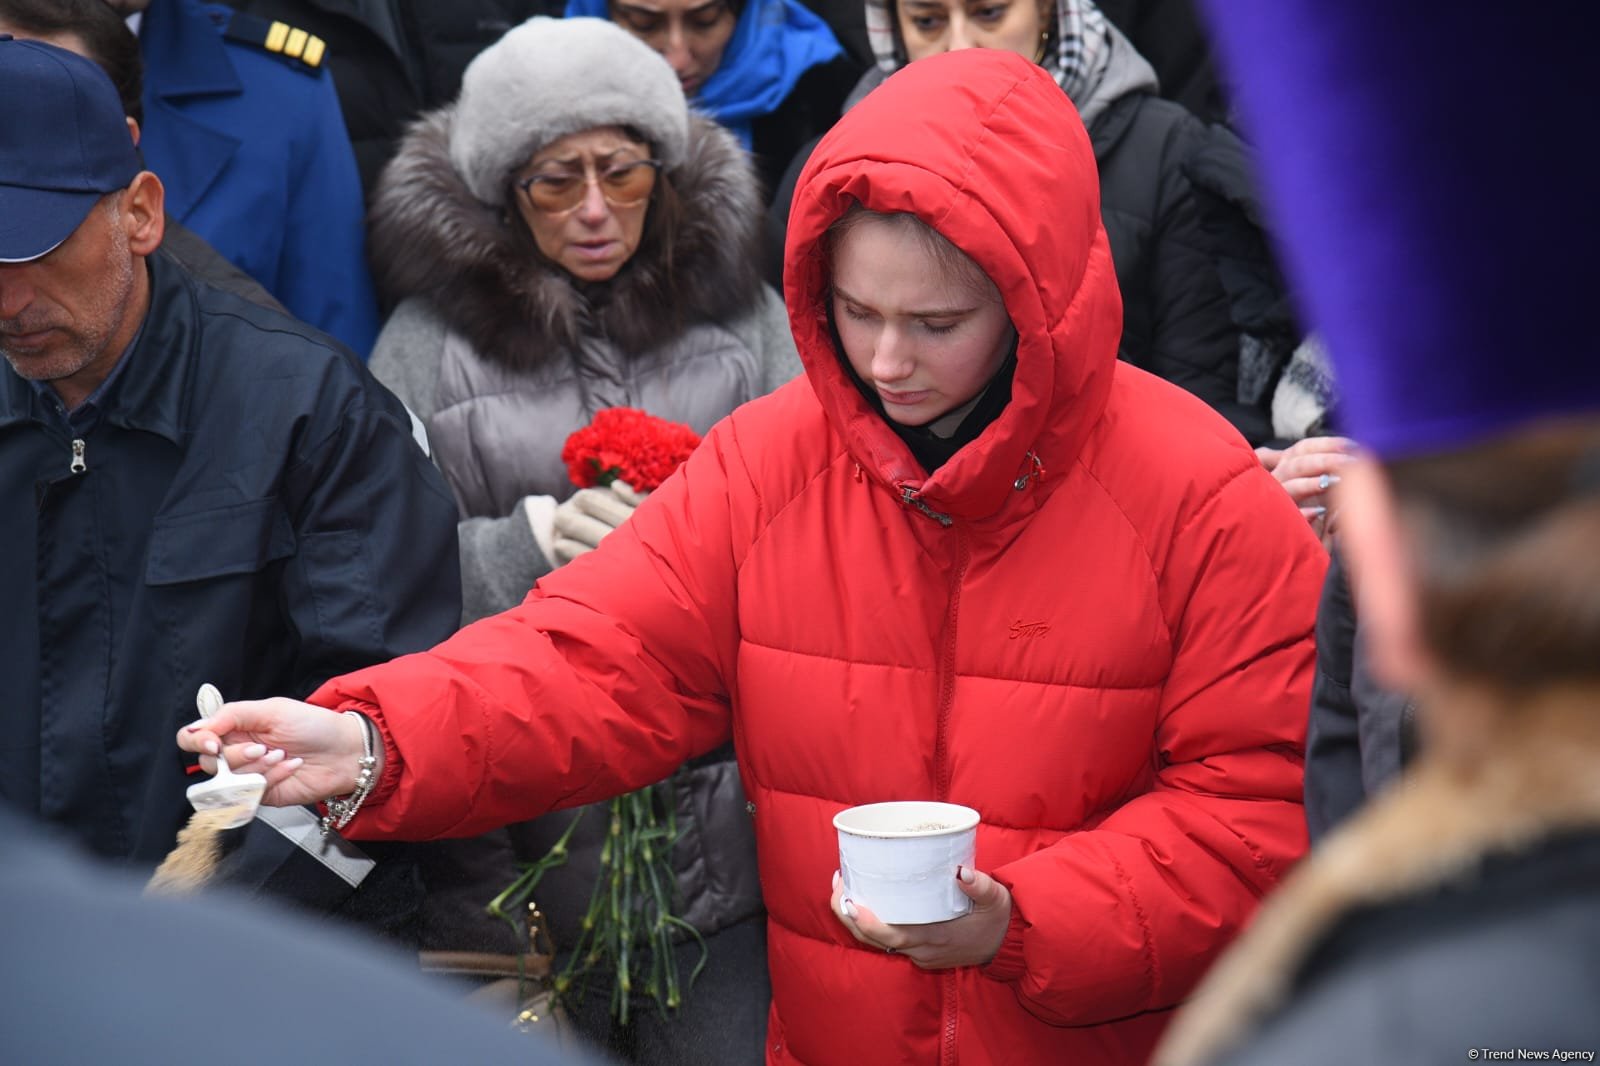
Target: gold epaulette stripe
(296, 44)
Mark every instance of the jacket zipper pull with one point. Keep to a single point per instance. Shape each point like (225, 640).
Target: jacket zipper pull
(908, 496)
(1037, 471)
(78, 465)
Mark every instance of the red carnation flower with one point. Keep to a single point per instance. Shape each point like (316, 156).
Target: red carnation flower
(626, 444)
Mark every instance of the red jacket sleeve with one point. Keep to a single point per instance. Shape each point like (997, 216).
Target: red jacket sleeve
(1125, 917)
(606, 678)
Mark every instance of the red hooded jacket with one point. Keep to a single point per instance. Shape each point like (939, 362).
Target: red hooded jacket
(1103, 645)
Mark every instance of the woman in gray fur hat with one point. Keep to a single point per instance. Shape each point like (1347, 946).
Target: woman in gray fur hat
(564, 238)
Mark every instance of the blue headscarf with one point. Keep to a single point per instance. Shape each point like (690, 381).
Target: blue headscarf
(773, 44)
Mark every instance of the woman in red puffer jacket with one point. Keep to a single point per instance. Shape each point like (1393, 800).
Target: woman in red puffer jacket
(971, 558)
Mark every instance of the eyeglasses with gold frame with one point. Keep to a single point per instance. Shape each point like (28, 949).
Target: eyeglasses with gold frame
(621, 184)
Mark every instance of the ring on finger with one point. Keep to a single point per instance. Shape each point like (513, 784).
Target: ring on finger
(1324, 482)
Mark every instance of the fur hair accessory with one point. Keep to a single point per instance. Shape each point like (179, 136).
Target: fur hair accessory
(548, 78)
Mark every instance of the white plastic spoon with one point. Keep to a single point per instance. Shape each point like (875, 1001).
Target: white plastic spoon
(241, 792)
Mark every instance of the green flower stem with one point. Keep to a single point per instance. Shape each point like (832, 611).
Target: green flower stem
(507, 906)
(705, 949)
(628, 928)
(661, 937)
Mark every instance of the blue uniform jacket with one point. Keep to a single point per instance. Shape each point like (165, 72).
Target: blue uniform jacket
(253, 511)
(255, 159)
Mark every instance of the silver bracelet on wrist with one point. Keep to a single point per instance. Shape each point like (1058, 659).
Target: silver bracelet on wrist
(341, 810)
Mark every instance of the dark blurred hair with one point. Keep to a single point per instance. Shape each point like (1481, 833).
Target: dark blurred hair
(106, 39)
(1506, 540)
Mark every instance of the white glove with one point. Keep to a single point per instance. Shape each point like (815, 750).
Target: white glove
(587, 516)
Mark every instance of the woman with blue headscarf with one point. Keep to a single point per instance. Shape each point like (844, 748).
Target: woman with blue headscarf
(771, 71)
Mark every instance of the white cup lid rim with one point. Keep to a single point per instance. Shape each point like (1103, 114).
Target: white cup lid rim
(961, 819)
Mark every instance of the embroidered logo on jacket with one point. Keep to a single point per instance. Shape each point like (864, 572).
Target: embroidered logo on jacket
(1020, 628)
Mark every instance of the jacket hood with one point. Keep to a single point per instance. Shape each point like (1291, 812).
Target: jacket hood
(479, 269)
(1125, 73)
(983, 146)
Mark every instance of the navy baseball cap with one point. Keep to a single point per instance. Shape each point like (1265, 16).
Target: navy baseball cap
(64, 143)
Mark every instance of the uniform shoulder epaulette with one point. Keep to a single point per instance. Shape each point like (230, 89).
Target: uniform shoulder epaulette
(304, 51)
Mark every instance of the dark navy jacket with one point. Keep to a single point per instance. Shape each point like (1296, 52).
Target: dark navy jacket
(254, 157)
(96, 972)
(253, 512)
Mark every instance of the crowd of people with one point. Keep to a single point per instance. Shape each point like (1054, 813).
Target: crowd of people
(1022, 486)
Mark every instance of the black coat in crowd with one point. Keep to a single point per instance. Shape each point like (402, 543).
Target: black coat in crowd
(242, 505)
(1360, 734)
(1177, 318)
(1173, 37)
(809, 111)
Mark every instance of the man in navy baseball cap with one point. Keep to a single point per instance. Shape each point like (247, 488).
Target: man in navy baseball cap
(61, 151)
(178, 467)
(78, 217)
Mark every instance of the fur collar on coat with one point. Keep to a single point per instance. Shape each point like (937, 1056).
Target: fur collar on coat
(432, 239)
(1521, 777)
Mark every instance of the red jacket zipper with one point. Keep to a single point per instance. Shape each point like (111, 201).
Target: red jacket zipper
(949, 991)
(947, 672)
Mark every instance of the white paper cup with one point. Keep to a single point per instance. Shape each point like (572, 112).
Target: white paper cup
(899, 859)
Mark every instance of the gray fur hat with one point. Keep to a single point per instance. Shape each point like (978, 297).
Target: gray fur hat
(550, 77)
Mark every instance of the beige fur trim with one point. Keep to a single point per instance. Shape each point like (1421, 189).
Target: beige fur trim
(1533, 774)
